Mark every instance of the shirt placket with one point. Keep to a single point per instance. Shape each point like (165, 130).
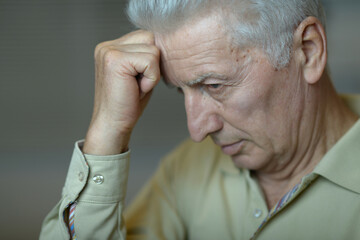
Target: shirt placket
(285, 200)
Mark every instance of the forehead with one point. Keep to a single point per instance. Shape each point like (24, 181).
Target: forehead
(198, 29)
(199, 48)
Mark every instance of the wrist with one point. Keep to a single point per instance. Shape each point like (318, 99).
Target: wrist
(103, 139)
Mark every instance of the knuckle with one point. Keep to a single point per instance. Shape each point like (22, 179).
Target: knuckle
(148, 35)
(144, 34)
(103, 47)
(99, 49)
(99, 46)
(110, 55)
(139, 36)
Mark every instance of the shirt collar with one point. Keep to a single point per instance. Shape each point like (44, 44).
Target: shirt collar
(341, 164)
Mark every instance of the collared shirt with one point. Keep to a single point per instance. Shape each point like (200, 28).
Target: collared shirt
(198, 193)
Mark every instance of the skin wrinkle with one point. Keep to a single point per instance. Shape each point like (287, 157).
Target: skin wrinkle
(203, 59)
(235, 84)
(209, 53)
(301, 168)
(230, 82)
(204, 64)
(241, 72)
(199, 60)
(204, 77)
(274, 113)
(195, 46)
(315, 148)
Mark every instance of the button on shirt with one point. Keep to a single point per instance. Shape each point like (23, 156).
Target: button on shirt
(198, 193)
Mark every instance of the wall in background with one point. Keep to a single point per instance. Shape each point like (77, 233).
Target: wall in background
(46, 94)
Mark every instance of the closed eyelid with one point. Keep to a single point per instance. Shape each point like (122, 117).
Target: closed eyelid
(204, 83)
(205, 78)
(214, 85)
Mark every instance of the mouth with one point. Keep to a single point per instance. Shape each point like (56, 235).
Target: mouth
(233, 148)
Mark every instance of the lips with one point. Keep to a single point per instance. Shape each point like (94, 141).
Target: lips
(232, 149)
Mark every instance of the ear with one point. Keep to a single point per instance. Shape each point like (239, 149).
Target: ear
(310, 49)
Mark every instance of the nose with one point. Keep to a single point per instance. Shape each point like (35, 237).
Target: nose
(202, 116)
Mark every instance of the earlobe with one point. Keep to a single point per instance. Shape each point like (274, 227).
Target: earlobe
(310, 41)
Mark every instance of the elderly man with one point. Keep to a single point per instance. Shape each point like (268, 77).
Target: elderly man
(279, 156)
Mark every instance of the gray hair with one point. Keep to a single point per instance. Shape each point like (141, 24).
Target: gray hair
(267, 24)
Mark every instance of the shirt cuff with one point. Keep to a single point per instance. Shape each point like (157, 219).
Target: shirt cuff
(97, 179)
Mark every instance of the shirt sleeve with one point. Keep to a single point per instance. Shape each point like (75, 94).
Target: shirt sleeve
(96, 186)
(93, 202)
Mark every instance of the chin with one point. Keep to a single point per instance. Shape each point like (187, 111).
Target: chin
(248, 162)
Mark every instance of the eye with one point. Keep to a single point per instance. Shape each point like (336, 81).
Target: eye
(213, 86)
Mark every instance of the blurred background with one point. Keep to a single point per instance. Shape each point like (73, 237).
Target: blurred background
(46, 95)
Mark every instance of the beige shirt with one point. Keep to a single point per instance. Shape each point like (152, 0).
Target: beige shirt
(197, 193)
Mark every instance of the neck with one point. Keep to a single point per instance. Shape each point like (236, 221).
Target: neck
(323, 121)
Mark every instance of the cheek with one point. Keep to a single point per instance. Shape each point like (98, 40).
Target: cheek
(260, 106)
(245, 112)
(251, 102)
(253, 94)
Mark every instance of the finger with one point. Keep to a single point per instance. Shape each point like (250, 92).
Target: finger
(134, 48)
(140, 36)
(146, 85)
(145, 99)
(137, 37)
(148, 66)
(104, 47)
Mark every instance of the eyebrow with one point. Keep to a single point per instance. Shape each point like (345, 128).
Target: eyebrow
(199, 79)
(204, 77)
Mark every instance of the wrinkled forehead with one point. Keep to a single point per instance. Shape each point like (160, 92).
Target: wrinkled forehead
(193, 47)
(197, 30)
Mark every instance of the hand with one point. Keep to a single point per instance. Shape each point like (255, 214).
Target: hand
(127, 69)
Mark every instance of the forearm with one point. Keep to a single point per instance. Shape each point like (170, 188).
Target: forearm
(97, 184)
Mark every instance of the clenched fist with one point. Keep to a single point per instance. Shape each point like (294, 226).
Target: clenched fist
(127, 69)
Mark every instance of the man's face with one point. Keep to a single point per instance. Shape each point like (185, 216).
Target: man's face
(234, 95)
